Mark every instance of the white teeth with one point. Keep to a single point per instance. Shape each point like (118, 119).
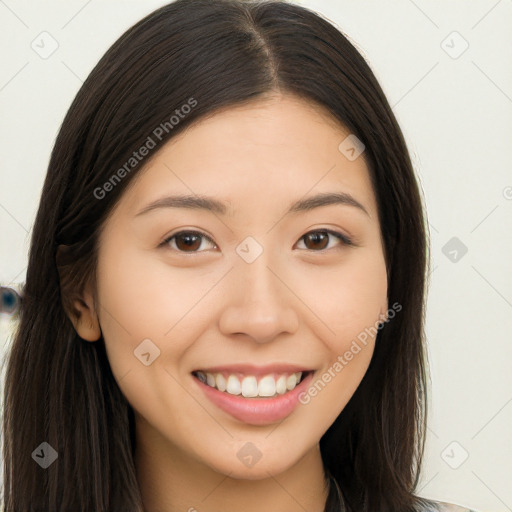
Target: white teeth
(233, 386)
(210, 380)
(267, 386)
(220, 382)
(281, 385)
(291, 382)
(249, 387)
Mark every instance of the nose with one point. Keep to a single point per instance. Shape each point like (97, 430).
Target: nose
(259, 303)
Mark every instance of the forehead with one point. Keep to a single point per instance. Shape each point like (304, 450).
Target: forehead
(275, 147)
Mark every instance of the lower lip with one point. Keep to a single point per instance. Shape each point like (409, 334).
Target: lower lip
(256, 411)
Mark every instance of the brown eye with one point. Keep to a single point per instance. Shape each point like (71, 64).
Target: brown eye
(319, 240)
(187, 241)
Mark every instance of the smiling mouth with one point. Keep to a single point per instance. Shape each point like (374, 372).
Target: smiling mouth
(251, 386)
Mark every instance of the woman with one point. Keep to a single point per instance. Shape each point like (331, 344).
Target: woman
(224, 300)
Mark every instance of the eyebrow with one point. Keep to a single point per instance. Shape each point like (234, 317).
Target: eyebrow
(199, 202)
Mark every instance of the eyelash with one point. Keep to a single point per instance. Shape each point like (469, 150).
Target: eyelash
(340, 236)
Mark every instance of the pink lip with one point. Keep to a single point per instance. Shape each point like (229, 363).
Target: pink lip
(250, 369)
(257, 410)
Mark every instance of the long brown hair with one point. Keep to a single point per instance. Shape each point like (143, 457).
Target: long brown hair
(60, 389)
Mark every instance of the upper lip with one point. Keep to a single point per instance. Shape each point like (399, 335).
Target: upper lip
(251, 369)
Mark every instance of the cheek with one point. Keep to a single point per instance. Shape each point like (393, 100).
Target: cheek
(348, 297)
(143, 315)
(143, 299)
(348, 301)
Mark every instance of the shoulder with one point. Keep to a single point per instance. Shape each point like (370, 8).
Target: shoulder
(450, 507)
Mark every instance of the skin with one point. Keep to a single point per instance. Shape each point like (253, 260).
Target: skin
(300, 301)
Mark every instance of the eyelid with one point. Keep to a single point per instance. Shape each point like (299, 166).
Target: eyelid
(168, 238)
(345, 239)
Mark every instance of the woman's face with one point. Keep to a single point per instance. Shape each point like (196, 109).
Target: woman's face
(252, 288)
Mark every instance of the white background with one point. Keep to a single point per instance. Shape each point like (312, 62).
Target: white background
(456, 114)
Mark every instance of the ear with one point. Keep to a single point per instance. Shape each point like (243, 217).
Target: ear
(86, 321)
(78, 306)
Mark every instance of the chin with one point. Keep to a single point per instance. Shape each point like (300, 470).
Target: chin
(260, 470)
